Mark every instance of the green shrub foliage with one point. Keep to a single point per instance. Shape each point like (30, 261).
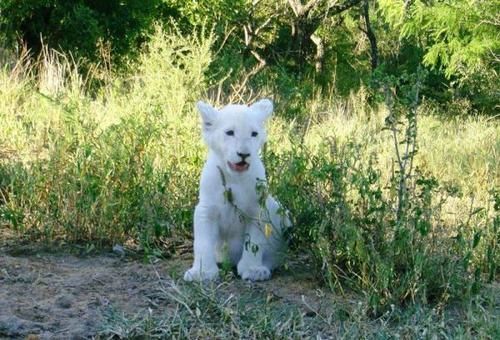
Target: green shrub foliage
(78, 26)
(335, 45)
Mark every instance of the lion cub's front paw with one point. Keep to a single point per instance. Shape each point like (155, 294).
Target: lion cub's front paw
(196, 274)
(255, 273)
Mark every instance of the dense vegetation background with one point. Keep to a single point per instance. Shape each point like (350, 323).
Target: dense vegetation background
(384, 146)
(298, 45)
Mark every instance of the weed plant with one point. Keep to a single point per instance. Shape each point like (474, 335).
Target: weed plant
(386, 235)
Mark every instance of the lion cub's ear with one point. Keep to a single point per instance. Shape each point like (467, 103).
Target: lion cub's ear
(263, 108)
(208, 114)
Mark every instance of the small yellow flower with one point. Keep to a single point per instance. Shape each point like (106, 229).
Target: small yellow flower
(268, 230)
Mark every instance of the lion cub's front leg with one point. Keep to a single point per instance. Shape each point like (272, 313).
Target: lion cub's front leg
(206, 234)
(251, 266)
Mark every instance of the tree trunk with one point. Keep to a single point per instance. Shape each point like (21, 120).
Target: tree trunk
(365, 12)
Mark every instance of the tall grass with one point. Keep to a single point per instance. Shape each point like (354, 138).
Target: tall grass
(121, 163)
(108, 166)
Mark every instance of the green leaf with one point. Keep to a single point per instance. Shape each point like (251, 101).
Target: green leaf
(477, 238)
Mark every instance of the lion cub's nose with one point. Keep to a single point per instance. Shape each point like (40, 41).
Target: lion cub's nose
(243, 155)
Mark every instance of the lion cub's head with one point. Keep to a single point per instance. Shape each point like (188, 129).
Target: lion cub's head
(236, 132)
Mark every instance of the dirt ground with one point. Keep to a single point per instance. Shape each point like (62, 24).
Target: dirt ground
(46, 295)
(61, 296)
(69, 293)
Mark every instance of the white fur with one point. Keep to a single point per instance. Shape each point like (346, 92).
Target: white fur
(239, 221)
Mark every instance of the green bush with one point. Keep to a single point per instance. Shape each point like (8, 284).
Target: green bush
(78, 26)
(346, 215)
(382, 231)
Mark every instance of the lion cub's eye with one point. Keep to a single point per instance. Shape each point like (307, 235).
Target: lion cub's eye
(254, 134)
(230, 132)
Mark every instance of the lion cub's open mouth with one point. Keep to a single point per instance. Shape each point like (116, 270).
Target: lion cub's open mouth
(239, 167)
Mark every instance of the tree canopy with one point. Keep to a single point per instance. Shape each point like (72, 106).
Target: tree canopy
(334, 43)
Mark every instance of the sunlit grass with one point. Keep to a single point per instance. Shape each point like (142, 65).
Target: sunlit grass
(463, 153)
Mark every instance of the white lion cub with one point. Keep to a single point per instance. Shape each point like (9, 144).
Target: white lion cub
(234, 211)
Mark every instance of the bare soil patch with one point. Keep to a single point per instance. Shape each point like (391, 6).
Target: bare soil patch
(63, 296)
(48, 294)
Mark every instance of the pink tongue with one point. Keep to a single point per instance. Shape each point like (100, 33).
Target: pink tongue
(238, 167)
